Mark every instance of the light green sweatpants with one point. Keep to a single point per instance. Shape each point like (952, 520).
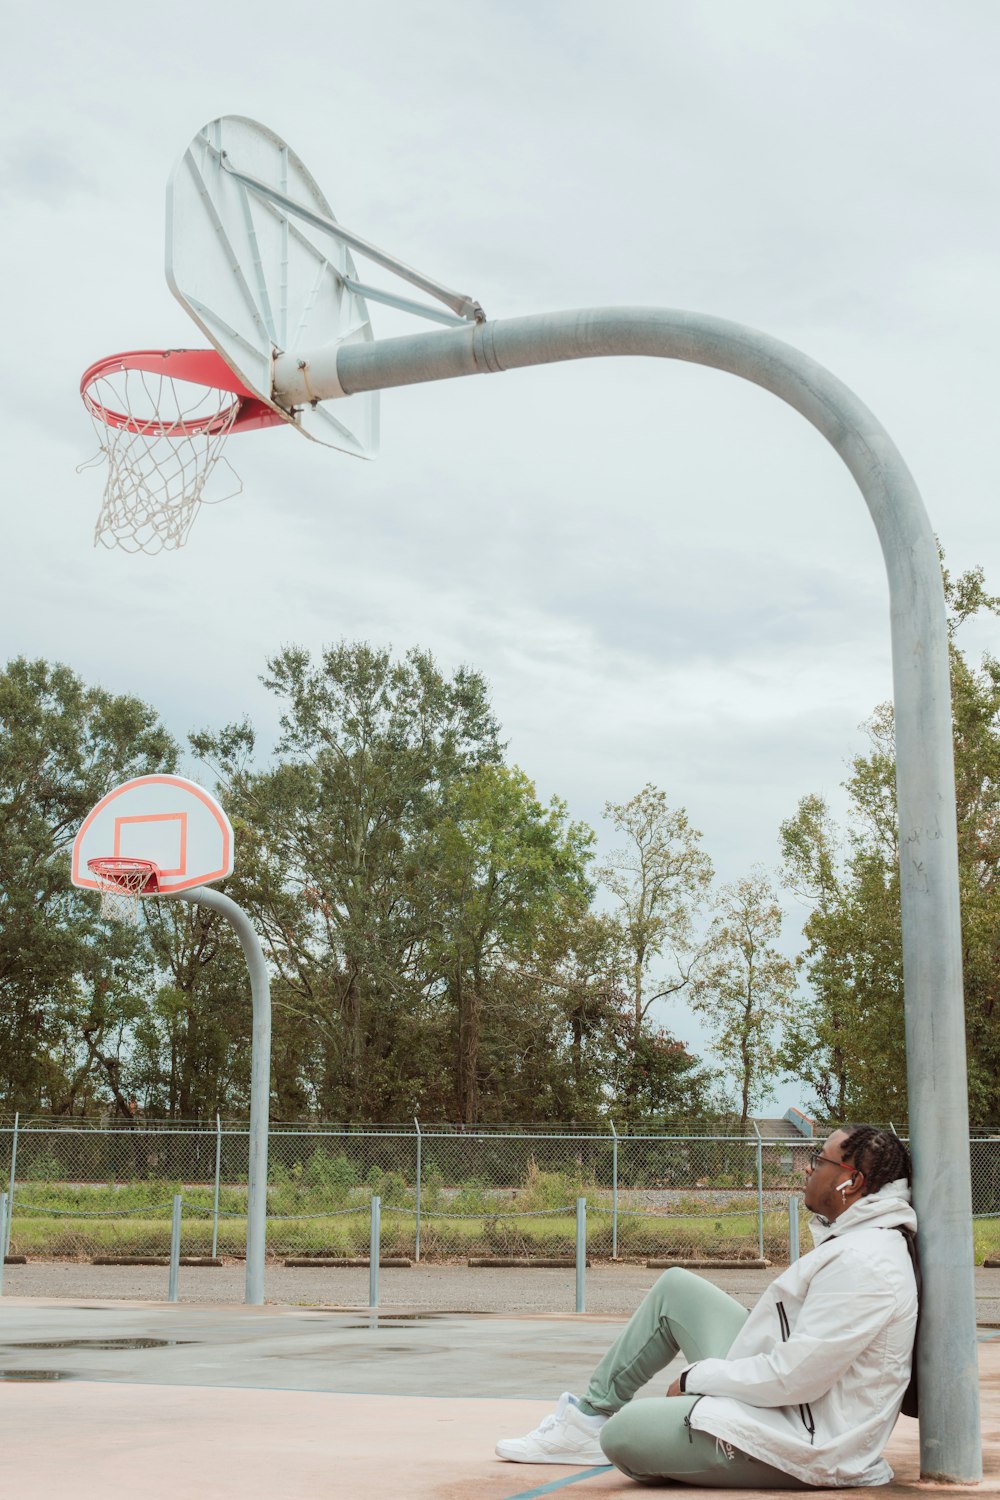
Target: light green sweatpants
(648, 1439)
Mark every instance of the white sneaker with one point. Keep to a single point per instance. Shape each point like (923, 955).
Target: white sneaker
(566, 1436)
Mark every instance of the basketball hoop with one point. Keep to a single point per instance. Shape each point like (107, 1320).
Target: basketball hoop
(121, 882)
(162, 417)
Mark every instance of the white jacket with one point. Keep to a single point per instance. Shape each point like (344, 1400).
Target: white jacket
(815, 1379)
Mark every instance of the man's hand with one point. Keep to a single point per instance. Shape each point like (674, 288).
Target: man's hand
(675, 1388)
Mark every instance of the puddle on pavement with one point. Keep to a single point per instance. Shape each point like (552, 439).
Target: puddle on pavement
(100, 1344)
(16, 1375)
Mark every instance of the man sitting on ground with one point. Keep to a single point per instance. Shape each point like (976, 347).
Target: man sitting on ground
(804, 1390)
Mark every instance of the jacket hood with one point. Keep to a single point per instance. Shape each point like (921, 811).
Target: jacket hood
(889, 1208)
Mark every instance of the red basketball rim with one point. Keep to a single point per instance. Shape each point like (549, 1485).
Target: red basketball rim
(117, 872)
(203, 367)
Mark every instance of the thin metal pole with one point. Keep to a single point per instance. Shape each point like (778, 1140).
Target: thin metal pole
(925, 784)
(10, 1191)
(416, 1247)
(581, 1255)
(3, 1234)
(614, 1192)
(760, 1192)
(374, 1250)
(793, 1229)
(175, 1249)
(260, 1080)
(215, 1201)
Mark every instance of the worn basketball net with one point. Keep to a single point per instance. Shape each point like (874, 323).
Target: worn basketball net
(162, 418)
(121, 882)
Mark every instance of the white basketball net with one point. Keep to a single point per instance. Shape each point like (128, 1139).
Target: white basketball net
(157, 474)
(120, 891)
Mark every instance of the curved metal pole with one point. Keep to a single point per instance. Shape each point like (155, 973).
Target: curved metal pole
(925, 783)
(260, 1079)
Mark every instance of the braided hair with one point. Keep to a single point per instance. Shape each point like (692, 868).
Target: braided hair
(879, 1154)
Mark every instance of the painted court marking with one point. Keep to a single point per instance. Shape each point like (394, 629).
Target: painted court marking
(559, 1484)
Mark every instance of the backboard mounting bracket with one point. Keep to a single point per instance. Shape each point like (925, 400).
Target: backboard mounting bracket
(466, 309)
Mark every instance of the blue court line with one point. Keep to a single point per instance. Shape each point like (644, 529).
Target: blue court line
(559, 1484)
(982, 1337)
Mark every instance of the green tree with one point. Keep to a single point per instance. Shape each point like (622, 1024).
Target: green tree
(334, 839)
(505, 874)
(658, 1078)
(191, 1051)
(745, 984)
(848, 1040)
(62, 746)
(659, 879)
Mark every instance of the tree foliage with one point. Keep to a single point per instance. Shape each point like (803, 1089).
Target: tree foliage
(435, 931)
(659, 878)
(847, 1041)
(63, 979)
(745, 984)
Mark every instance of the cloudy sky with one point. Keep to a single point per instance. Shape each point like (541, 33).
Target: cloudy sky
(665, 574)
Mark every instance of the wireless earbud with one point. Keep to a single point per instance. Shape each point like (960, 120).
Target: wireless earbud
(842, 1187)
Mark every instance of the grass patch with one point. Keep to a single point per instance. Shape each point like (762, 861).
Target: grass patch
(307, 1213)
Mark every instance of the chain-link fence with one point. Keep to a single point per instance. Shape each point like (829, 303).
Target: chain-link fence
(447, 1195)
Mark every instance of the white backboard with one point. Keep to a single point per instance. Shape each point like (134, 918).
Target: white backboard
(167, 819)
(260, 281)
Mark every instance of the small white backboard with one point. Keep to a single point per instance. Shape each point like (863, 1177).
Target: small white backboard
(259, 279)
(168, 820)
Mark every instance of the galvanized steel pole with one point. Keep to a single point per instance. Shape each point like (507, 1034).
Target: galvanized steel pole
(794, 1247)
(416, 1231)
(260, 1080)
(935, 1021)
(215, 1196)
(3, 1236)
(581, 1255)
(175, 1249)
(13, 1176)
(374, 1249)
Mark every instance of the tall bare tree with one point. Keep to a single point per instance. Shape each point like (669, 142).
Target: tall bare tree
(745, 985)
(659, 878)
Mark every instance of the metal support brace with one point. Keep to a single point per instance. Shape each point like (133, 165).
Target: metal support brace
(467, 308)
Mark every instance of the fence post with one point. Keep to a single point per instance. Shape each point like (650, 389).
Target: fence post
(760, 1192)
(793, 1230)
(175, 1250)
(374, 1250)
(3, 1234)
(614, 1191)
(215, 1203)
(5, 1237)
(416, 1246)
(581, 1255)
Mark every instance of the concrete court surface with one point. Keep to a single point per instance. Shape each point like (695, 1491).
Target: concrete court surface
(235, 1403)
